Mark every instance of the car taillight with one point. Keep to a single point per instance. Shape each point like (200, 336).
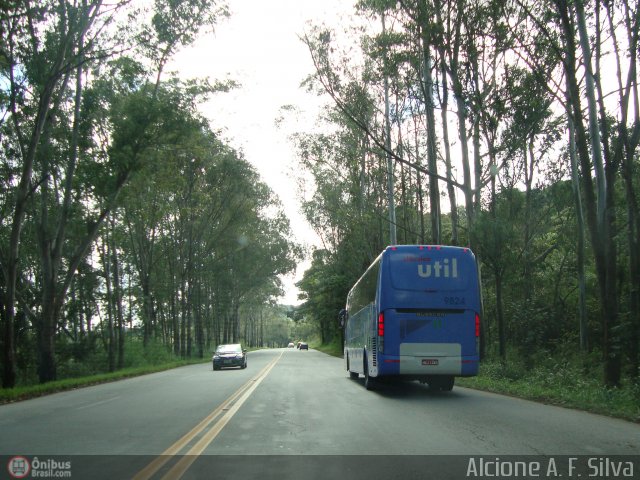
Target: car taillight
(380, 324)
(477, 325)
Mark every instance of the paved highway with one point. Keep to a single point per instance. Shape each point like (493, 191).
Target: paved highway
(286, 406)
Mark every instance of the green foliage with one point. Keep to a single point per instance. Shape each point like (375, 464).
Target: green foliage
(163, 229)
(506, 67)
(25, 392)
(304, 329)
(334, 348)
(573, 382)
(178, 23)
(153, 353)
(324, 288)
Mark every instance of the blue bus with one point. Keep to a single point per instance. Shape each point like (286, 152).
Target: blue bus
(415, 315)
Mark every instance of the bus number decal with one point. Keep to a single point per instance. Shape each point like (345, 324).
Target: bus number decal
(454, 300)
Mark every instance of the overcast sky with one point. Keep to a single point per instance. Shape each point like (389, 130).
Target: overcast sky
(258, 46)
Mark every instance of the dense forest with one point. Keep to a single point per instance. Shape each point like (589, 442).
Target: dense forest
(126, 221)
(124, 218)
(510, 126)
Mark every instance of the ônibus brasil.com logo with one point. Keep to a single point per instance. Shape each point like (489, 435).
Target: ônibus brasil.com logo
(20, 467)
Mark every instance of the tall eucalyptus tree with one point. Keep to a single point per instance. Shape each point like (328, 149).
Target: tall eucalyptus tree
(44, 46)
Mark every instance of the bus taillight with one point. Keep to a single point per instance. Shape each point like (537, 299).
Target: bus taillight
(381, 324)
(477, 325)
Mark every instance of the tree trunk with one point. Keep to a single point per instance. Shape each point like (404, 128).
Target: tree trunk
(175, 326)
(580, 246)
(419, 193)
(117, 290)
(599, 214)
(626, 147)
(183, 317)
(198, 321)
(529, 162)
(22, 193)
(106, 262)
(461, 109)
(432, 153)
(393, 239)
(502, 341)
(451, 191)
(605, 180)
(45, 336)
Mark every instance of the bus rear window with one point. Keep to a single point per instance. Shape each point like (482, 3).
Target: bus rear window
(435, 271)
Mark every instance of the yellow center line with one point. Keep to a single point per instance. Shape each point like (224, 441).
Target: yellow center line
(185, 462)
(246, 389)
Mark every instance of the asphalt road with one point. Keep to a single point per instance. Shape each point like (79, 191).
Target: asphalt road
(294, 411)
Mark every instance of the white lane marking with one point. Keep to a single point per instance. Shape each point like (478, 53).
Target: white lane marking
(95, 404)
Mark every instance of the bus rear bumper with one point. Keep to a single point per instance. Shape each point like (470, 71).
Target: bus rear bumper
(446, 361)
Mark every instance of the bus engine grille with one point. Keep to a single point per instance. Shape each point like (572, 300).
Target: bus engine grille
(374, 351)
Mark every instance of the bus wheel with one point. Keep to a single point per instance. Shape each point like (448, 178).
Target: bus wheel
(352, 375)
(444, 384)
(369, 382)
(447, 384)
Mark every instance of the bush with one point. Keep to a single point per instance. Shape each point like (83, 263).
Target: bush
(572, 380)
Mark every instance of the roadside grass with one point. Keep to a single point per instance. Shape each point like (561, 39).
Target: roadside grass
(8, 395)
(91, 370)
(567, 383)
(334, 348)
(563, 384)
(74, 374)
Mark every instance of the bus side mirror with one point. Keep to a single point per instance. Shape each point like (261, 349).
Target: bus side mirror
(342, 317)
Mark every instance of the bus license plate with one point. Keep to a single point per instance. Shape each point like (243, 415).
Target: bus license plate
(429, 361)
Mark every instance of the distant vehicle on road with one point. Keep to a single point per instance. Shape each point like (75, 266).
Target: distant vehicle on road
(291, 345)
(232, 355)
(303, 346)
(415, 314)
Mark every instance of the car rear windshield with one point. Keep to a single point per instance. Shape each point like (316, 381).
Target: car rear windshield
(229, 349)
